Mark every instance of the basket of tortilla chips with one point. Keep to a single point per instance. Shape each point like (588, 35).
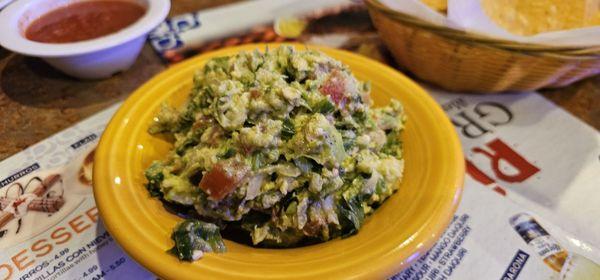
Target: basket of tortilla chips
(460, 60)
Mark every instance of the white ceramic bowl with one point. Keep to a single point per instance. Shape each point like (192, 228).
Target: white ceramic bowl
(91, 59)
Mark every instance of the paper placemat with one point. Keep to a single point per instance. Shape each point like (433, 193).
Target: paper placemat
(528, 211)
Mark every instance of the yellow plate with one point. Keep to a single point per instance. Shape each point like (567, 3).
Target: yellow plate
(400, 231)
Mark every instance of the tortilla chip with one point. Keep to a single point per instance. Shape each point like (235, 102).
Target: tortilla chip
(438, 5)
(528, 17)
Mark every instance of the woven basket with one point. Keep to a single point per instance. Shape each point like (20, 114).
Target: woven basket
(461, 61)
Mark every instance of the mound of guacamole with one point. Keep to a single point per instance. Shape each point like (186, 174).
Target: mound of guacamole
(282, 144)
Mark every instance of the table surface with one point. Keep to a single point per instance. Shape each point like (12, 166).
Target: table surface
(37, 101)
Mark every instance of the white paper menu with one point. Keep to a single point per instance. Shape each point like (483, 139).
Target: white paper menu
(529, 207)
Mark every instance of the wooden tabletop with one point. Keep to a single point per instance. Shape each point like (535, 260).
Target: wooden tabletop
(37, 101)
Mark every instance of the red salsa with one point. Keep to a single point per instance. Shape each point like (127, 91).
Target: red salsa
(83, 21)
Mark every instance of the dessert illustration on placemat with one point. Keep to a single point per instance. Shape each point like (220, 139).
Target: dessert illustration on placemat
(33, 204)
(85, 172)
(37, 194)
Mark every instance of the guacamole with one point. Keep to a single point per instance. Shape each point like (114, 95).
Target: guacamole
(282, 144)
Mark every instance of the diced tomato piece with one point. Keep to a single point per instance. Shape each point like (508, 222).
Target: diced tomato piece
(223, 179)
(334, 87)
(254, 93)
(203, 122)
